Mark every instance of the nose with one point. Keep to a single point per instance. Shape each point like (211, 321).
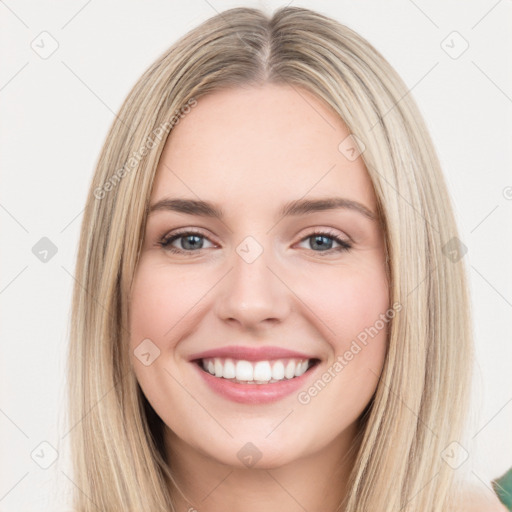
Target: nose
(253, 294)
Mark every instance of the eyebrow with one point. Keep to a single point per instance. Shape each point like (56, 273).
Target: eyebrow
(293, 208)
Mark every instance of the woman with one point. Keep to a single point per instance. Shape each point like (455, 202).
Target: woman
(271, 306)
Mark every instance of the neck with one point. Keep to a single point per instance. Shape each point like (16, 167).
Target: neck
(317, 481)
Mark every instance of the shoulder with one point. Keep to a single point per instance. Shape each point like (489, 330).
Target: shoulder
(482, 500)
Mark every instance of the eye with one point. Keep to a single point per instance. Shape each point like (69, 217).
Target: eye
(191, 241)
(320, 239)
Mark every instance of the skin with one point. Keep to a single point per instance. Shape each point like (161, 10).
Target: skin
(250, 150)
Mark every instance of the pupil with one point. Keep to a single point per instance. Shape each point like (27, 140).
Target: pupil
(322, 244)
(189, 239)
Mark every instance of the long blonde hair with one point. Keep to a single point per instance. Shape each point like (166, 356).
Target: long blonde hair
(420, 404)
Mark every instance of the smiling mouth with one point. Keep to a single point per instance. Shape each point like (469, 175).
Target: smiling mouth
(241, 371)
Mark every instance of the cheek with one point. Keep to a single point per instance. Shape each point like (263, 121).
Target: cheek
(364, 324)
(161, 303)
(350, 301)
(363, 300)
(349, 311)
(150, 306)
(352, 309)
(164, 305)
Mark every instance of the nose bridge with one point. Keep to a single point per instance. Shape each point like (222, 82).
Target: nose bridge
(251, 292)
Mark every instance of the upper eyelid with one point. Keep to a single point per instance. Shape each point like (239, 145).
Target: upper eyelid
(185, 231)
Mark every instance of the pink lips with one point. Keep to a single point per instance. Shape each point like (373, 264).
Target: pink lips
(252, 393)
(251, 353)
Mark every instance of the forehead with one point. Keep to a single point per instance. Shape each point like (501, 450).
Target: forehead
(274, 141)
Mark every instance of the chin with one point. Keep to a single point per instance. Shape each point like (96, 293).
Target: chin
(256, 455)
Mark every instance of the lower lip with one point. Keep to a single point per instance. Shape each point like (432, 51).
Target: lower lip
(255, 393)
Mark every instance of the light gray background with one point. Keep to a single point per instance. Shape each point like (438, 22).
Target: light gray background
(56, 112)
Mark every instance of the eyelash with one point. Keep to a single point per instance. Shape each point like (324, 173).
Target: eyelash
(166, 240)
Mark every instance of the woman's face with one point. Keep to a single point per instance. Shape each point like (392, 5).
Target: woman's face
(246, 274)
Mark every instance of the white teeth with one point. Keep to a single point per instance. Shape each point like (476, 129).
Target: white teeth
(244, 370)
(229, 371)
(301, 368)
(260, 372)
(218, 367)
(289, 372)
(278, 370)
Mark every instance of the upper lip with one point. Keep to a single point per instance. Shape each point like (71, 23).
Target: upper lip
(251, 353)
